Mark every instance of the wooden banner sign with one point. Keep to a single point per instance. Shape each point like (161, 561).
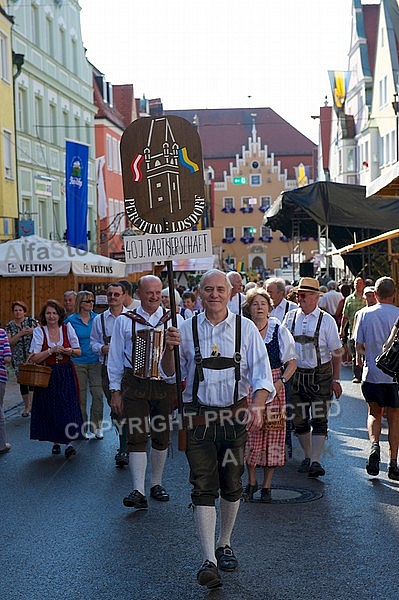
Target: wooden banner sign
(162, 174)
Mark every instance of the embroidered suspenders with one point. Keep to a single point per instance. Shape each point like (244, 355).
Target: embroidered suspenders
(308, 339)
(106, 338)
(216, 362)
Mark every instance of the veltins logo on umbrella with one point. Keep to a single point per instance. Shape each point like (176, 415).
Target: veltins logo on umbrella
(162, 174)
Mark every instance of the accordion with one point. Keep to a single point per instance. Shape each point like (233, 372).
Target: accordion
(147, 353)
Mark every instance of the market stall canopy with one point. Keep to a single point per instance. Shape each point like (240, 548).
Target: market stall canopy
(350, 215)
(390, 235)
(386, 184)
(36, 256)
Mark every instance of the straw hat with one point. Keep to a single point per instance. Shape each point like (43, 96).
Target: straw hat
(308, 284)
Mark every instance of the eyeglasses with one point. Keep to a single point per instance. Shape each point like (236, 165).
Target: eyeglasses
(115, 295)
(87, 300)
(305, 294)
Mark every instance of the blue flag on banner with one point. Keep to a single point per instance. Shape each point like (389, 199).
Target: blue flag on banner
(76, 172)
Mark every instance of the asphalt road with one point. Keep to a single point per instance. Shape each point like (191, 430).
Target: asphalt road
(67, 536)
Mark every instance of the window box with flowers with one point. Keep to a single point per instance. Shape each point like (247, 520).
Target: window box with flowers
(228, 240)
(266, 238)
(247, 240)
(284, 238)
(263, 208)
(228, 209)
(247, 209)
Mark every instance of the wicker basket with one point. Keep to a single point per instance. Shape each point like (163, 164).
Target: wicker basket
(33, 375)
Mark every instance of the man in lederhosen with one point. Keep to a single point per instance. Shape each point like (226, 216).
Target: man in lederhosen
(221, 355)
(145, 401)
(316, 379)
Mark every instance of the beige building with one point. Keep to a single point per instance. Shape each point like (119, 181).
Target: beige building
(239, 239)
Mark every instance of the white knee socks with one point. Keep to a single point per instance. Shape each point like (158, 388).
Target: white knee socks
(158, 458)
(205, 519)
(318, 442)
(228, 514)
(138, 467)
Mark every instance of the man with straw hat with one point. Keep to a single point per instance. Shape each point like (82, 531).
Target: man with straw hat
(316, 379)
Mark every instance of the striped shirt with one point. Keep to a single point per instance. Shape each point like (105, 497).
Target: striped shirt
(5, 351)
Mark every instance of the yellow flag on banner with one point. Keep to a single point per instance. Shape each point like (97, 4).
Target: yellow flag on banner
(339, 81)
(302, 175)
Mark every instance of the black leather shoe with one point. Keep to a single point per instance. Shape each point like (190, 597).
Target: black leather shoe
(121, 459)
(135, 500)
(316, 470)
(304, 466)
(249, 491)
(373, 463)
(209, 575)
(69, 451)
(226, 558)
(159, 493)
(266, 495)
(393, 472)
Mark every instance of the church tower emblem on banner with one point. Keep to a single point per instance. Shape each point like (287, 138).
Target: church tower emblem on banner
(162, 174)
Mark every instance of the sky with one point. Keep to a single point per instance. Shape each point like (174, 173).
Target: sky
(223, 53)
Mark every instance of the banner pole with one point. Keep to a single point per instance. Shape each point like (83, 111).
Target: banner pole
(172, 300)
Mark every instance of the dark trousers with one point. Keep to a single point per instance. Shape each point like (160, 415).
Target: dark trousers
(215, 453)
(117, 420)
(148, 409)
(310, 395)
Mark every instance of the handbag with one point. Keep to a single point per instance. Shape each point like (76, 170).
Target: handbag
(388, 361)
(274, 419)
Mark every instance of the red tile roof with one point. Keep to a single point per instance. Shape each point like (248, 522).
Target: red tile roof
(224, 131)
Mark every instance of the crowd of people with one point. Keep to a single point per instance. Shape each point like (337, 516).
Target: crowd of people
(254, 363)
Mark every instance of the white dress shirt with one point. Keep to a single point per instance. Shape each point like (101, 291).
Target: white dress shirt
(329, 340)
(234, 304)
(217, 389)
(280, 311)
(96, 336)
(120, 351)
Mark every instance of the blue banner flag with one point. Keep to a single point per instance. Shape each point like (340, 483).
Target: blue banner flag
(76, 176)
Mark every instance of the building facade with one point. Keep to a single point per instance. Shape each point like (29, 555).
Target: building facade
(116, 109)
(359, 142)
(53, 103)
(240, 240)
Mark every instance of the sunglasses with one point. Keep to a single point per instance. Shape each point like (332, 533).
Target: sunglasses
(305, 294)
(88, 301)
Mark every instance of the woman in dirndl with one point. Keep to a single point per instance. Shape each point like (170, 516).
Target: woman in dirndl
(56, 416)
(266, 447)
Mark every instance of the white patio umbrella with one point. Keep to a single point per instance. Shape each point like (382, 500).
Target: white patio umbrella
(35, 256)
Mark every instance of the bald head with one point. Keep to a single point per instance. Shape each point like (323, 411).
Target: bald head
(149, 291)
